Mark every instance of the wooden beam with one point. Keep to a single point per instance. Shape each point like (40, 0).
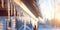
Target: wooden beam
(31, 4)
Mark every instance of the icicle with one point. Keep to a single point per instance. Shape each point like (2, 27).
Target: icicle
(14, 20)
(2, 3)
(24, 20)
(8, 10)
(14, 12)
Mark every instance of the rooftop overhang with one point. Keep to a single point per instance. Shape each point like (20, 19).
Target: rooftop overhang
(31, 4)
(31, 11)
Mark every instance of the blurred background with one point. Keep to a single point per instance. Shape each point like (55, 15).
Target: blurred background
(29, 14)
